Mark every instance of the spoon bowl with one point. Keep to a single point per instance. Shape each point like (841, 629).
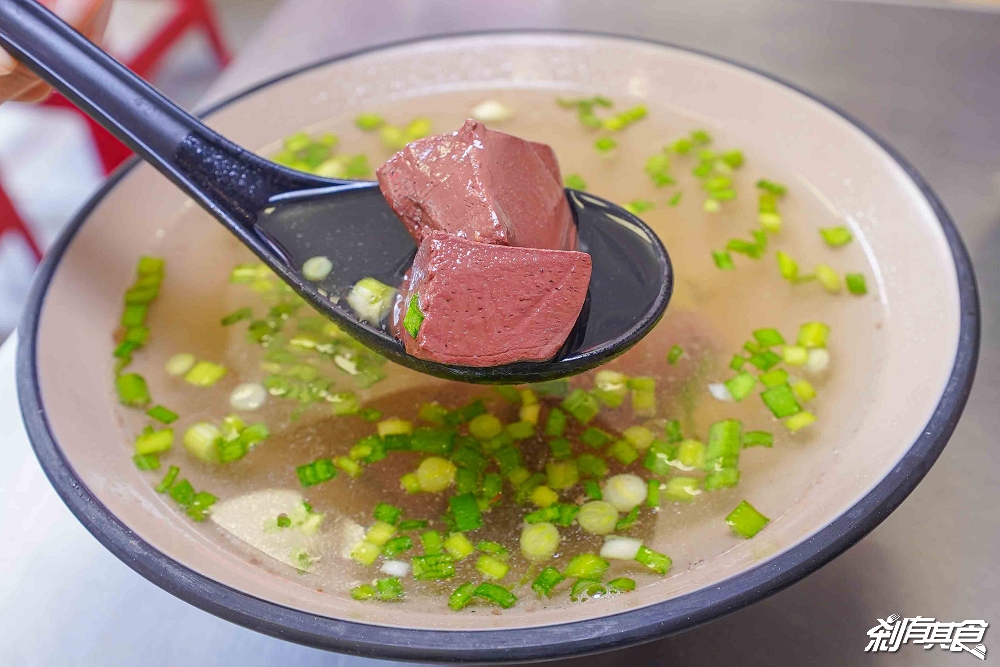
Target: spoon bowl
(287, 217)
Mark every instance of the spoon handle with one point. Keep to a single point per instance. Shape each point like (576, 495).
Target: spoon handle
(229, 181)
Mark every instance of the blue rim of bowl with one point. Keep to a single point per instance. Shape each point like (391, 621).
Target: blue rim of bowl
(515, 644)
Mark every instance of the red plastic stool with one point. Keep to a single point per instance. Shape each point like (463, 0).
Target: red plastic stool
(10, 221)
(190, 14)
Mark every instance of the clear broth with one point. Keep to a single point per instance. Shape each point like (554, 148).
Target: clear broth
(711, 315)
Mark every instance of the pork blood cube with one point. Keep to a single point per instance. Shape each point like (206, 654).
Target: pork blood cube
(482, 185)
(477, 304)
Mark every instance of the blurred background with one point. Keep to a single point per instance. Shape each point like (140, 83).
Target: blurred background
(52, 159)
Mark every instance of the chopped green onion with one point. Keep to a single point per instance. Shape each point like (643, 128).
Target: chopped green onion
(146, 461)
(466, 512)
(681, 489)
(560, 449)
(723, 450)
(465, 413)
(414, 316)
(776, 189)
(461, 597)
(203, 440)
(387, 513)
(432, 542)
(555, 423)
(367, 122)
(592, 489)
(768, 337)
(659, 456)
(320, 470)
(723, 260)
(344, 403)
(547, 580)
(788, 267)
(562, 474)
(182, 492)
(575, 181)
(458, 546)
(795, 355)
(413, 524)
(740, 385)
(198, 509)
(836, 236)
(162, 414)
(733, 158)
(380, 532)
(610, 387)
(597, 517)
(498, 595)
(605, 144)
(624, 491)
(746, 521)
(813, 335)
(674, 355)
(396, 546)
(780, 399)
(584, 589)
(586, 566)
(363, 592)
(800, 420)
(625, 118)
(765, 360)
(433, 566)
(168, 480)
(653, 493)
(588, 464)
(736, 363)
(543, 496)
(520, 430)
(672, 430)
(711, 206)
(655, 561)
(723, 479)
(628, 520)
(691, 454)
(803, 390)
(539, 542)
(638, 206)
(317, 268)
(757, 439)
(493, 568)
(828, 278)
(595, 437)
(389, 589)
(752, 250)
(581, 405)
(675, 199)
(643, 402)
(132, 390)
(774, 378)
(623, 452)
(154, 442)
(435, 474)
(682, 146)
(621, 585)
(701, 137)
(205, 374)
(639, 437)
(371, 300)
(856, 284)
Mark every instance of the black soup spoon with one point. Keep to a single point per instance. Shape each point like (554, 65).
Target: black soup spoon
(287, 217)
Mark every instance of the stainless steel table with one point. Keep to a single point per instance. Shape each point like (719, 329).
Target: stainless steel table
(927, 79)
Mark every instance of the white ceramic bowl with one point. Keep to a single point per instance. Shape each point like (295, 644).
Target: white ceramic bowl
(922, 275)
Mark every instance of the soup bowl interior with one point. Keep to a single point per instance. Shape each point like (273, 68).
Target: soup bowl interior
(873, 422)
